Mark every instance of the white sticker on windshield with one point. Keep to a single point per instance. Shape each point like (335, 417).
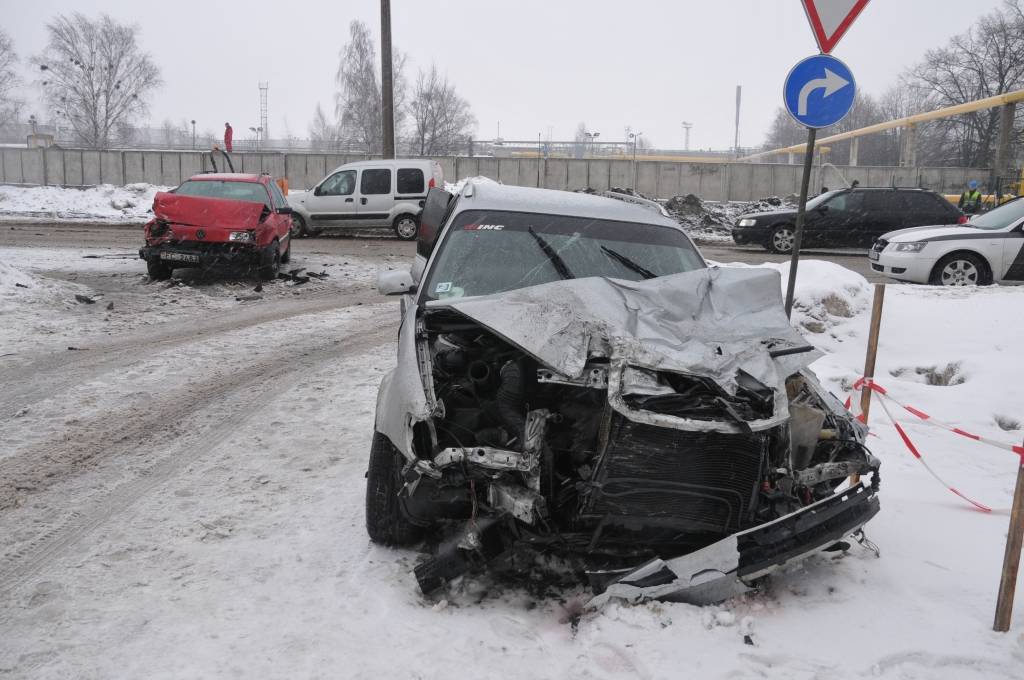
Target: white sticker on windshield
(443, 287)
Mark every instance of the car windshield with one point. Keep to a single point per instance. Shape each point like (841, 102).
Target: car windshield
(487, 252)
(821, 199)
(1001, 217)
(234, 191)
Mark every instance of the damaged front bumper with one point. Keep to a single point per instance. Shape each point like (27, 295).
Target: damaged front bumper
(203, 255)
(732, 565)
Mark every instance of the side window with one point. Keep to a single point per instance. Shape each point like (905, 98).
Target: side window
(410, 181)
(339, 184)
(375, 182)
(275, 193)
(849, 202)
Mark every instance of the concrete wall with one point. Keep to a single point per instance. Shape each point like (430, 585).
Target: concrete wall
(659, 179)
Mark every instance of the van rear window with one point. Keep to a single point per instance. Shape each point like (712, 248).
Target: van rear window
(410, 181)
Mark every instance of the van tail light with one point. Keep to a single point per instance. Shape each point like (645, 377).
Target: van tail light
(431, 184)
(962, 219)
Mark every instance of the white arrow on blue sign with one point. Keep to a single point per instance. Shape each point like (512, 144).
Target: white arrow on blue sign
(819, 91)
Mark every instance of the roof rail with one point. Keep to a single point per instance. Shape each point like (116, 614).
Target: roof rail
(642, 202)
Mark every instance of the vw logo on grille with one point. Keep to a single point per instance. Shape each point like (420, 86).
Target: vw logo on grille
(200, 234)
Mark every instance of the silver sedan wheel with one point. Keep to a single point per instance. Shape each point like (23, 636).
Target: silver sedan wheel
(782, 240)
(959, 273)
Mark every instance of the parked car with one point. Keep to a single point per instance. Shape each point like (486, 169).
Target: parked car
(219, 220)
(846, 218)
(988, 248)
(381, 193)
(574, 381)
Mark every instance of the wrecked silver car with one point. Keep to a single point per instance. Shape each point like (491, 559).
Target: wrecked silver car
(575, 383)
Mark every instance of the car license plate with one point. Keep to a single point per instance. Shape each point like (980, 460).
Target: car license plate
(180, 257)
(872, 254)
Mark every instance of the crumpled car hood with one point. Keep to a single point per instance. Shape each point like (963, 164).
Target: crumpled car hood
(213, 213)
(709, 322)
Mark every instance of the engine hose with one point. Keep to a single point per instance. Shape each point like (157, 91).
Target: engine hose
(510, 400)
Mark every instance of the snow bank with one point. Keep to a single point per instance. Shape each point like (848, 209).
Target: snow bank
(712, 221)
(105, 203)
(456, 187)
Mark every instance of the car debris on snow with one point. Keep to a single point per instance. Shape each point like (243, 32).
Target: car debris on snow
(85, 299)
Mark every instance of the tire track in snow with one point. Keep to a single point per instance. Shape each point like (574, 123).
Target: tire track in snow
(225, 403)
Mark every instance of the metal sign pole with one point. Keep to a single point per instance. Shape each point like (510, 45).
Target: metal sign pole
(1011, 559)
(812, 133)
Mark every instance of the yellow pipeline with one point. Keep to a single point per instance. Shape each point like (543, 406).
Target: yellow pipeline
(987, 103)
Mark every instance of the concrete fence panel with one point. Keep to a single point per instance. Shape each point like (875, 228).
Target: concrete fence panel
(32, 167)
(170, 169)
(10, 166)
(316, 169)
(508, 171)
(465, 167)
(712, 182)
(577, 175)
(295, 170)
(599, 175)
(489, 168)
(152, 169)
(73, 168)
(647, 178)
(273, 164)
(91, 171)
(761, 181)
(556, 174)
(689, 179)
(53, 161)
(739, 180)
(528, 172)
(448, 169)
(668, 180)
(621, 175)
(191, 164)
(112, 168)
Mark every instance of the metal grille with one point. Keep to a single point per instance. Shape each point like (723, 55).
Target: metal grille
(694, 481)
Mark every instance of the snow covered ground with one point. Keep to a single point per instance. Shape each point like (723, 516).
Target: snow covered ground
(106, 203)
(183, 497)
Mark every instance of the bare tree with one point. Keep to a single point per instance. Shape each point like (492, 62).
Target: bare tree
(10, 106)
(358, 100)
(986, 60)
(441, 119)
(322, 132)
(94, 76)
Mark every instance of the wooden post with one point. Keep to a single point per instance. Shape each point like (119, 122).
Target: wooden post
(1011, 560)
(869, 360)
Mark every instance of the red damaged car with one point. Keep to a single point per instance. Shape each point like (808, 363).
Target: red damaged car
(219, 220)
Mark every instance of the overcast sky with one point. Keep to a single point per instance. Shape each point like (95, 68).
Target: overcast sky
(535, 66)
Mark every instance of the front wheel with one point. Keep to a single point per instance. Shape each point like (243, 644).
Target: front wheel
(271, 262)
(385, 522)
(960, 269)
(406, 227)
(157, 270)
(782, 239)
(298, 229)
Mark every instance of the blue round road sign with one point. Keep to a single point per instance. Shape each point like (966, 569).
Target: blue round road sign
(819, 91)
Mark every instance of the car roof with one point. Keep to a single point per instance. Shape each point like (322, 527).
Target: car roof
(863, 188)
(386, 161)
(494, 196)
(230, 177)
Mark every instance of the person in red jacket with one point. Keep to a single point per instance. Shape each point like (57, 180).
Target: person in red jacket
(228, 133)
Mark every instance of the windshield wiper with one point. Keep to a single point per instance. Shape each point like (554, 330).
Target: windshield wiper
(628, 263)
(556, 260)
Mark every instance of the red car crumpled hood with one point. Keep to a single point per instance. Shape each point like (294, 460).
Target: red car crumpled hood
(213, 213)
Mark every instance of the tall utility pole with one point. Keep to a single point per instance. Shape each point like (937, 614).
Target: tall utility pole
(264, 86)
(736, 139)
(387, 108)
(686, 135)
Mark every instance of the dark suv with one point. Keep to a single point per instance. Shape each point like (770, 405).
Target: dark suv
(847, 218)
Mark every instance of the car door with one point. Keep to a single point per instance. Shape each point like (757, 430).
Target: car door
(282, 223)
(332, 203)
(884, 211)
(1013, 255)
(836, 220)
(376, 196)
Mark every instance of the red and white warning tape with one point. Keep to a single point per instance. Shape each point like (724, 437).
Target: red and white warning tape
(883, 394)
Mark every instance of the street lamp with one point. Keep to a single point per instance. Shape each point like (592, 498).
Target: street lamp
(193, 134)
(635, 136)
(592, 138)
(257, 131)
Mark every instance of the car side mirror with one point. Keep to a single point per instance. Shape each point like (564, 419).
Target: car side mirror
(285, 210)
(316, 190)
(822, 209)
(395, 282)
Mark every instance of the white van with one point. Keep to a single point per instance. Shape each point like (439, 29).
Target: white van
(380, 193)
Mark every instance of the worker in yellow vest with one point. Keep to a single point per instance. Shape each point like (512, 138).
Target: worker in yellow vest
(970, 200)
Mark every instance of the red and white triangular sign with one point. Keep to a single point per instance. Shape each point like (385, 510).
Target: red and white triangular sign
(831, 18)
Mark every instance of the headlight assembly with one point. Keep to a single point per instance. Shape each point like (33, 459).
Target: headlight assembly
(241, 236)
(746, 222)
(915, 247)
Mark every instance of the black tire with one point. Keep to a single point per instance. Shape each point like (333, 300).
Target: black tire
(406, 227)
(271, 262)
(781, 239)
(158, 271)
(385, 522)
(298, 229)
(961, 269)
(286, 256)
